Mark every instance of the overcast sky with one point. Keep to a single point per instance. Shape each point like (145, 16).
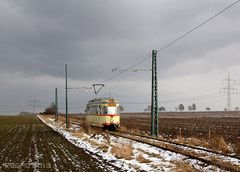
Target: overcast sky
(37, 38)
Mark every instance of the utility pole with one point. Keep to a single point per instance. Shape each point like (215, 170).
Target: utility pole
(154, 101)
(56, 104)
(229, 90)
(66, 90)
(34, 106)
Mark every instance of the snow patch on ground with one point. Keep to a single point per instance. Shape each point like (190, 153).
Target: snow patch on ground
(156, 159)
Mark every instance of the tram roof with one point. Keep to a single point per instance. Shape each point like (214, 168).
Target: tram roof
(102, 100)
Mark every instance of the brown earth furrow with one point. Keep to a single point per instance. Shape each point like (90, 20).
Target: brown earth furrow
(27, 144)
(70, 157)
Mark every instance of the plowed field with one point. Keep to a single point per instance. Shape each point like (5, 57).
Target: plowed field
(196, 124)
(26, 144)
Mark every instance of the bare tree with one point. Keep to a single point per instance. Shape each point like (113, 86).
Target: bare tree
(162, 109)
(148, 109)
(51, 109)
(181, 107)
(208, 108)
(193, 106)
(121, 108)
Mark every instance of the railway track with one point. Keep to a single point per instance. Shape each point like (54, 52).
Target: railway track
(206, 156)
(209, 157)
(176, 143)
(185, 145)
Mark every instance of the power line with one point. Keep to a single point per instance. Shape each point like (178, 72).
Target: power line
(176, 40)
(127, 69)
(201, 24)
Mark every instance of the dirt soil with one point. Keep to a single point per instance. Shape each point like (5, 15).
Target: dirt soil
(196, 125)
(26, 144)
(191, 126)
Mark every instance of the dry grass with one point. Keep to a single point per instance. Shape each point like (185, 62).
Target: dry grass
(106, 137)
(123, 151)
(103, 147)
(45, 118)
(149, 154)
(61, 120)
(184, 167)
(87, 128)
(141, 159)
(237, 151)
(69, 126)
(137, 131)
(122, 128)
(195, 141)
(218, 143)
(180, 139)
(79, 133)
(93, 143)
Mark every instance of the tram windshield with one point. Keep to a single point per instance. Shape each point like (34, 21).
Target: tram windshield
(113, 110)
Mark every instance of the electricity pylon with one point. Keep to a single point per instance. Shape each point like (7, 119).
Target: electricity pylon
(229, 90)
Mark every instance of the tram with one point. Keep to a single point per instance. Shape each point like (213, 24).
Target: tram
(103, 112)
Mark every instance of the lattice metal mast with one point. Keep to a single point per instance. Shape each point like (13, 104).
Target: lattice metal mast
(229, 90)
(56, 104)
(154, 102)
(66, 95)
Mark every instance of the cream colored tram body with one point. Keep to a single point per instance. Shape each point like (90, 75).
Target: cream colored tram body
(103, 112)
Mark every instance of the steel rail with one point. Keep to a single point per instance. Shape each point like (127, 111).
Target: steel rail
(189, 153)
(185, 145)
(178, 148)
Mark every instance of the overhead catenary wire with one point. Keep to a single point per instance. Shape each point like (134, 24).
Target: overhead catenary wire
(175, 40)
(140, 61)
(128, 68)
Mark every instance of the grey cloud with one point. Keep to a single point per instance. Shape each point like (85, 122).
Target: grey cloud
(56, 33)
(38, 37)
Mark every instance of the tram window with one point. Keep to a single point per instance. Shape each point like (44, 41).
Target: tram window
(104, 110)
(99, 110)
(93, 110)
(111, 110)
